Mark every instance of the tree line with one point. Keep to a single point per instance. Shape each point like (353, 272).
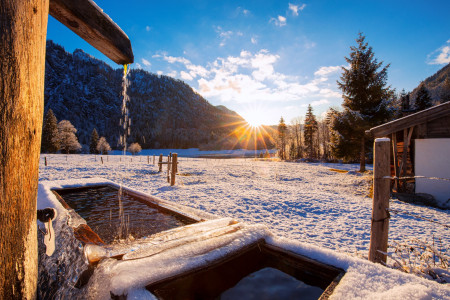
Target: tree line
(368, 101)
(61, 137)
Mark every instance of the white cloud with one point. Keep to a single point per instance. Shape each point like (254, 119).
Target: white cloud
(159, 72)
(172, 74)
(252, 77)
(254, 40)
(280, 21)
(324, 71)
(224, 35)
(441, 55)
(295, 8)
(138, 66)
(146, 62)
(243, 11)
(186, 76)
(148, 28)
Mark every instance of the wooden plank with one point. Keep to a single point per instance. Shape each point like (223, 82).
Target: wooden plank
(381, 194)
(420, 117)
(89, 22)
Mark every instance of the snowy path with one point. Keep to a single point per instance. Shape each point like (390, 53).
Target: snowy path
(301, 201)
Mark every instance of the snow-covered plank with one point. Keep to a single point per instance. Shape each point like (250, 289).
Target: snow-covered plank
(89, 21)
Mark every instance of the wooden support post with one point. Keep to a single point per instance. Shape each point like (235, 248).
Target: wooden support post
(148, 159)
(160, 162)
(403, 166)
(45, 161)
(101, 159)
(381, 194)
(153, 160)
(395, 156)
(174, 168)
(22, 58)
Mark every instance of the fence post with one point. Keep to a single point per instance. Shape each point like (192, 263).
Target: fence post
(381, 194)
(160, 163)
(45, 160)
(148, 159)
(153, 160)
(168, 167)
(101, 159)
(174, 168)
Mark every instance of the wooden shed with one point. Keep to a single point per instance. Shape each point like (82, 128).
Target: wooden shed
(421, 148)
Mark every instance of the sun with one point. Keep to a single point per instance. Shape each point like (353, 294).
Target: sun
(254, 122)
(255, 116)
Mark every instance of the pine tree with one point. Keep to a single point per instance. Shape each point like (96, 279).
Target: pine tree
(67, 137)
(310, 129)
(103, 146)
(282, 137)
(93, 142)
(50, 139)
(366, 101)
(423, 99)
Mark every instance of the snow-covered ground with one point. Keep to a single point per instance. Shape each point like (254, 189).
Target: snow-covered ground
(314, 207)
(302, 201)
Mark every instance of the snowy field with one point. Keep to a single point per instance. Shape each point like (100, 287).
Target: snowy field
(302, 201)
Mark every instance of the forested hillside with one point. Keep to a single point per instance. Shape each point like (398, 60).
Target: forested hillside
(164, 112)
(438, 86)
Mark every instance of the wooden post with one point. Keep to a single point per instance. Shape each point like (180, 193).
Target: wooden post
(45, 161)
(101, 159)
(153, 160)
(395, 154)
(148, 159)
(168, 168)
(160, 162)
(22, 58)
(381, 194)
(174, 168)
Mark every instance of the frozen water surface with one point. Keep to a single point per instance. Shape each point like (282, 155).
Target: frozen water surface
(271, 284)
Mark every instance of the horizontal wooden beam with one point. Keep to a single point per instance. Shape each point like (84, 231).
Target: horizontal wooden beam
(89, 21)
(417, 118)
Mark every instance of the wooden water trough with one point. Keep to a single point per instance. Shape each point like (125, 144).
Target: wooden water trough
(234, 250)
(23, 33)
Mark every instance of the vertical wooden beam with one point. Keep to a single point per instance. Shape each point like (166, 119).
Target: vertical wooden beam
(160, 162)
(381, 194)
(174, 168)
(23, 28)
(395, 156)
(403, 166)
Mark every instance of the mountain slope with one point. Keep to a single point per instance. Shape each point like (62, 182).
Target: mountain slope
(165, 112)
(435, 84)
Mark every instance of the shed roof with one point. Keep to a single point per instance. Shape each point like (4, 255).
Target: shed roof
(417, 118)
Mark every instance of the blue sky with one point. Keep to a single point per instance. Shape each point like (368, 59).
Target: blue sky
(266, 59)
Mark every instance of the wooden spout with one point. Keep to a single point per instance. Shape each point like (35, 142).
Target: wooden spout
(88, 21)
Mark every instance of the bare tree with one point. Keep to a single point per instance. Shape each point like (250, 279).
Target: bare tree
(134, 148)
(67, 138)
(103, 146)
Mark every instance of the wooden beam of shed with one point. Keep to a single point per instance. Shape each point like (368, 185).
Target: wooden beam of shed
(89, 21)
(417, 118)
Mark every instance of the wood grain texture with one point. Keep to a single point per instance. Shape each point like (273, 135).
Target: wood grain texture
(23, 28)
(381, 194)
